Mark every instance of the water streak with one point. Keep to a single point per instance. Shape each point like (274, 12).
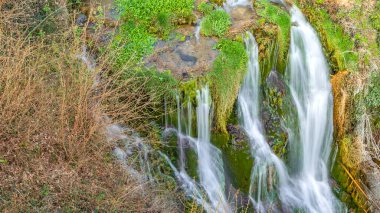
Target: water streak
(210, 164)
(311, 92)
(261, 190)
(307, 187)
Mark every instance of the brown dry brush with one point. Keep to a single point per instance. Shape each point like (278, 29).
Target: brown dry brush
(53, 153)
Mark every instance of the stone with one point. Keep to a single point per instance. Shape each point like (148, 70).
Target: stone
(81, 20)
(187, 58)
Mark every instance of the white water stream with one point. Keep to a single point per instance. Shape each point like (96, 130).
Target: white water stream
(264, 158)
(311, 92)
(307, 187)
(210, 164)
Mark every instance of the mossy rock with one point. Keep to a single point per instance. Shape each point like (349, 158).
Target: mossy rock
(227, 74)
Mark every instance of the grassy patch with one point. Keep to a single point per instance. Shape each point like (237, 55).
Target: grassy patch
(52, 143)
(216, 23)
(278, 17)
(338, 46)
(143, 22)
(205, 8)
(228, 72)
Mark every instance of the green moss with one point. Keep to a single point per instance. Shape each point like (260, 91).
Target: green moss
(278, 17)
(238, 162)
(338, 46)
(216, 23)
(226, 76)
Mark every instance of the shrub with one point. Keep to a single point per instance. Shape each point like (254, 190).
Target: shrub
(54, 155)
(205, 8)
(216, 23)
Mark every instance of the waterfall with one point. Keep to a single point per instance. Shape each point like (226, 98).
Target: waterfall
(264, 159)
(306, 188)
(210, 164)
(236, 3)
(197, 30)
(311, 92)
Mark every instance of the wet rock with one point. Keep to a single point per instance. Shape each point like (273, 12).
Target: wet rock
(181, 57)
(187, 58)
(274, 80)
(237, 133)
(81, 20)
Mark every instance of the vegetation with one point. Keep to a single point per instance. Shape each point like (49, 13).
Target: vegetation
(216, 23)
(54, 154)
(143, 22)
(375, 20)
(281, 19)
(338, 46)
(226, 76)
(205, 8)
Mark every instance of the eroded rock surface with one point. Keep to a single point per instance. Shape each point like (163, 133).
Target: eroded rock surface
(183, 58)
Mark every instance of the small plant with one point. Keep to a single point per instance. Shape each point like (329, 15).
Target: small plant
(205, 8)
(216, 23)
(373, 97)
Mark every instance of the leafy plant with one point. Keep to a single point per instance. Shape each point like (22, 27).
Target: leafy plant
(216, 23)
(205, 8)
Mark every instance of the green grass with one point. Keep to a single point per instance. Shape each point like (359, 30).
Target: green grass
(228, 72)
(216, 23)
(375, 21)
(143, 22)
(338, 46)
(373, 97)
(205, 8)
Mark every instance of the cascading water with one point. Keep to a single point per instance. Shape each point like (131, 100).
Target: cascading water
(210, 164)
(307, 187)
(210, 167)
(311, 92)
(261, 191)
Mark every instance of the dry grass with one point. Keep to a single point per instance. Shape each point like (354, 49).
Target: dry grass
(53, 155)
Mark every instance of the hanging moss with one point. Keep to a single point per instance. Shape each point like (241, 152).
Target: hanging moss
(228, 72)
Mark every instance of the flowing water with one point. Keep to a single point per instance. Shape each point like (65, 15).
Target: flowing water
(306, 188)
(210, 165)
(261, 190)
(311, 92)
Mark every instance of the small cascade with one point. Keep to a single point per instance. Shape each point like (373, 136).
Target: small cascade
(210, 164)
(197, 31)
(236, 3)
(265, 161)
